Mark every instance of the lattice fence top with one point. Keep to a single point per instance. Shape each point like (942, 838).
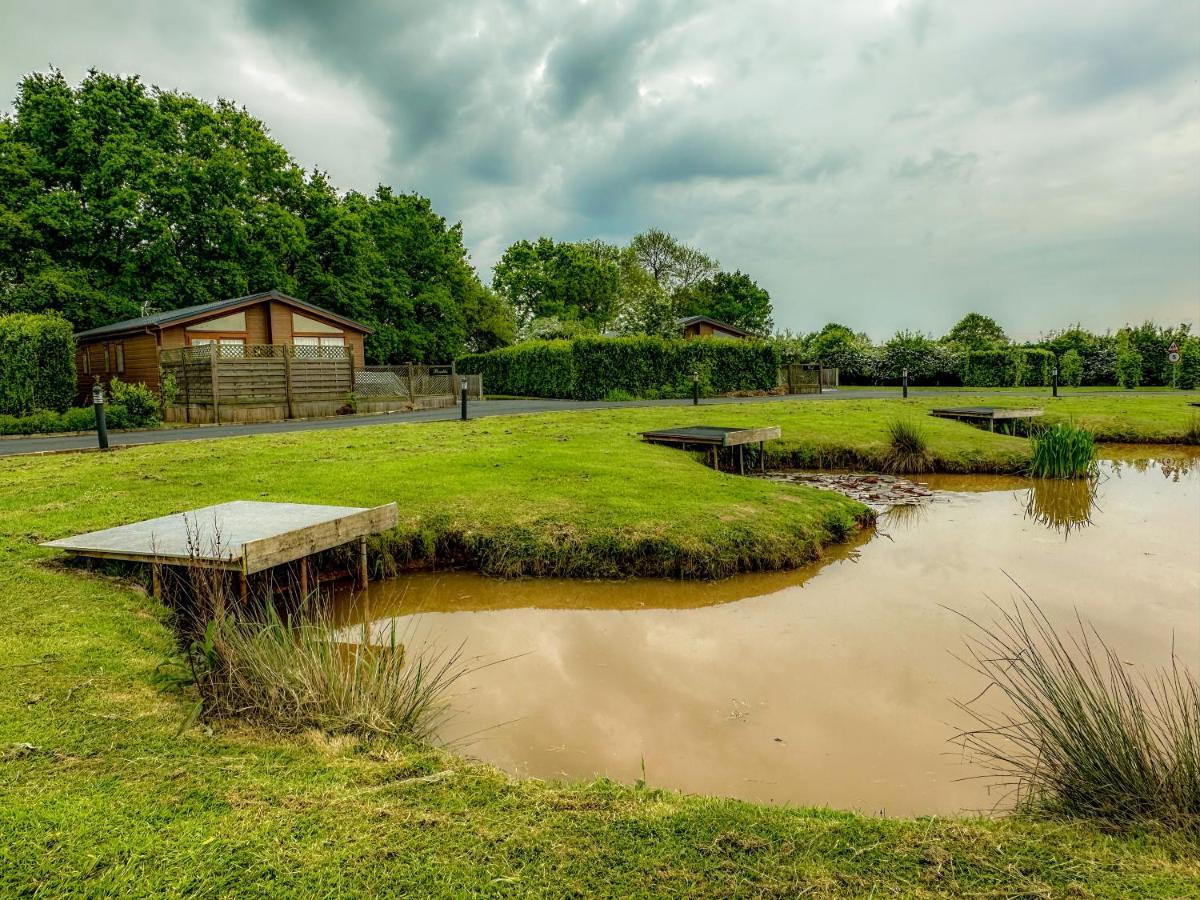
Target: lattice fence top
(254, 351)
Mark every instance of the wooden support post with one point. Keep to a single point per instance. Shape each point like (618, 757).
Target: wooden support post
(304, 579)
(214, 350)
(362, 562)
(412, 395)
(741, 459)
(762, 457)
(288, 351)
(350, 354)
(155, 581)
(243, 587)
(712, 452)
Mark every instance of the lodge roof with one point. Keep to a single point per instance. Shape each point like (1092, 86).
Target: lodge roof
(159, 320)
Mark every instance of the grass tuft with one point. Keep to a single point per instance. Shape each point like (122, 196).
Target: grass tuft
(908, 448)
(303, 673)
(1063, 451)
(1080, 734)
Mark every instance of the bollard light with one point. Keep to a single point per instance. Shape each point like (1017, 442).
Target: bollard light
(695, 388)
(462, 385)
(98, 406)
(905, 379)
(1054, 381)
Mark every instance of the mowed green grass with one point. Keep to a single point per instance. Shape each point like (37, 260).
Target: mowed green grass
(99, 794)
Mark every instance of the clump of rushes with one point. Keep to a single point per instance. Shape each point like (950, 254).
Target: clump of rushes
(305, 672)
(1192, 435)
(1080, 734)
(1063, 451)
(908, 448)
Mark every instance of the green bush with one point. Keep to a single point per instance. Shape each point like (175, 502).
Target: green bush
(1129, 368)
(140, 406)
(1070, 369)
(593, 368)
(37, 363)
(47, 421)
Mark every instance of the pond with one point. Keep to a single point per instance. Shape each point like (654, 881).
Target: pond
(832, 685)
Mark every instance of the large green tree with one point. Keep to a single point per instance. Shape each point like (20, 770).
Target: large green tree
(548, 279)
(115, 197)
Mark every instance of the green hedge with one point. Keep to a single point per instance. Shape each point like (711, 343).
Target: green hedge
(595, 368)
(37, 363)
(1010, 367)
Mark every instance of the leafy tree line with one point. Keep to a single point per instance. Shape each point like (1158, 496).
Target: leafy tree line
(565, 289)
(976, 350)
(115, 197)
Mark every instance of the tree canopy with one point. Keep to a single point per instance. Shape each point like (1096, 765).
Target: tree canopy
(115, 196)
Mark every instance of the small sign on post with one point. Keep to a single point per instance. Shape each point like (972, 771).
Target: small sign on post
(441, 370)
(1173, 353)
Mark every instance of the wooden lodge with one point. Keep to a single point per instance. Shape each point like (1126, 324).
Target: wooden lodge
(131, 350)
(703, 326)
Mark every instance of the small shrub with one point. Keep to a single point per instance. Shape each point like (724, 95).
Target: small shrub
(139, 406)
(908, 448)
(1063, 451)
(169, 390)
(47, 421)
(616, 395)
(1081, 733)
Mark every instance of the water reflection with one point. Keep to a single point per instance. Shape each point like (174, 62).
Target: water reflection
(828, 686)
(1062, 505)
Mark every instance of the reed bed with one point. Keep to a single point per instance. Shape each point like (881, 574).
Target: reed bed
(1063, 451)
(1075, 731)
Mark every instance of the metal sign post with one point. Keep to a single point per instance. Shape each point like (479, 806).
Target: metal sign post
(1173, 358)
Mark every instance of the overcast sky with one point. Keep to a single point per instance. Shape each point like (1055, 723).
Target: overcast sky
(883, 164)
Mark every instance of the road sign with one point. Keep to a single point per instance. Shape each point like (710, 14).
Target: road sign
(1173, 356)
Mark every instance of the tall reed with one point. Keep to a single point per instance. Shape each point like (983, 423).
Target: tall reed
(1063, 451)
(304, 672)
(908, 448)
(1076, 732)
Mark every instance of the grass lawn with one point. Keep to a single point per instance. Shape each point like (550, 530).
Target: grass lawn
(99, 794)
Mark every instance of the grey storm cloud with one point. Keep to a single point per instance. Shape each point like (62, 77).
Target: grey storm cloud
(886, 163)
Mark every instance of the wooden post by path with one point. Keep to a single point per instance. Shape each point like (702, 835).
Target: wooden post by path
(214, 351)
(287, 380)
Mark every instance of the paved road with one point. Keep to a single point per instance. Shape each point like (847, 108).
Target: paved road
(60, 443)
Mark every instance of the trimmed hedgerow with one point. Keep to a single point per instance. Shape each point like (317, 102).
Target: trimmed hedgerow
(1011, 367)
(37, 363)
(598, 367)
(594, 368)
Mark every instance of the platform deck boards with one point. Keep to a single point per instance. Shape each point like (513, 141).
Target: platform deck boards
(711, 435)
(242, 535)
(995, 413)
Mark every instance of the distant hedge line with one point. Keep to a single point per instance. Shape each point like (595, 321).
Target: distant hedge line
(1010, 367)
(596, 368)
(37, 363)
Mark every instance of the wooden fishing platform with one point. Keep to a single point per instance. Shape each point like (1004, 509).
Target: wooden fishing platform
(715, 437)
(989, 414)
(243, 536)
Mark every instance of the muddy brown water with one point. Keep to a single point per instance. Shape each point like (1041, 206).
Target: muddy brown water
(831, 685)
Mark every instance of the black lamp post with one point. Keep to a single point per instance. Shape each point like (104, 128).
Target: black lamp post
(98, 406)
(904, 381)
(1054, 380)
(462, 385)
(695, 388)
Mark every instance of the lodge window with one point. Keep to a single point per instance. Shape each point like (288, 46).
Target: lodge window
(107, 364)
(119, 354)
(320, 341)
(227, 347)
(87, 360)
